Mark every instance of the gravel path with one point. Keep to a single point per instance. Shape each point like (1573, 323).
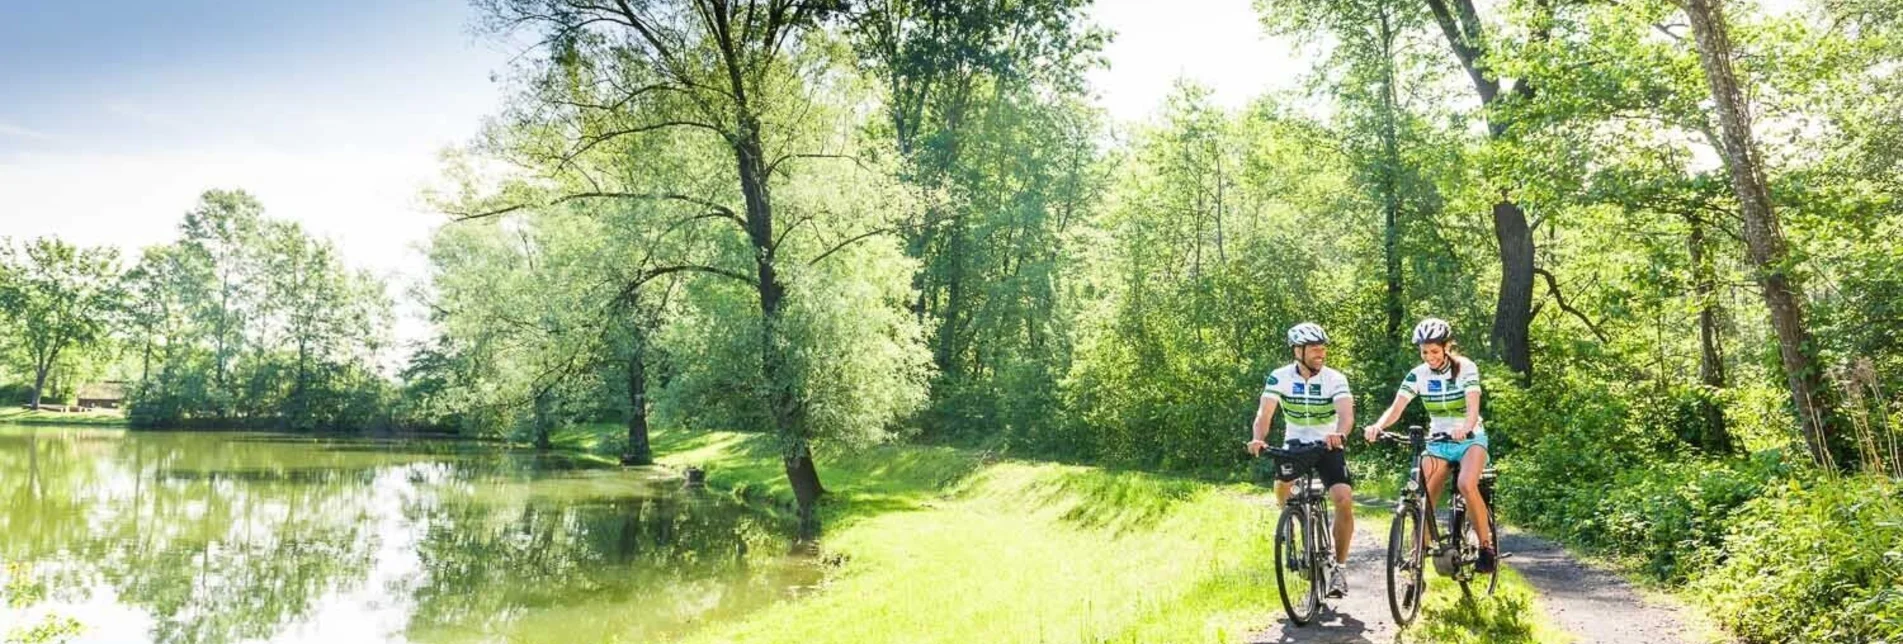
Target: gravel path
(1590, 604)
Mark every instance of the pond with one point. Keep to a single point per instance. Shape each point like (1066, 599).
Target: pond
(225, 537)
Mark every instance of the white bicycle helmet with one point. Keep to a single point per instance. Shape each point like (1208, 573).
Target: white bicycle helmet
(1433, 330)
(1306, 333)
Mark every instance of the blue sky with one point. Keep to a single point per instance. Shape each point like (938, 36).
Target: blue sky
(117, 76)
(115, 114)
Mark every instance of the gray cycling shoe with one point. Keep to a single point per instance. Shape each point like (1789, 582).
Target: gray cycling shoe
(1337, 580)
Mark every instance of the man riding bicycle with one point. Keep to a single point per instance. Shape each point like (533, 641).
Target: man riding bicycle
(1316, 409)
(1449, 387)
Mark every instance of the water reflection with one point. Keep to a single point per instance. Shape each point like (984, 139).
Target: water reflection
(195, 537)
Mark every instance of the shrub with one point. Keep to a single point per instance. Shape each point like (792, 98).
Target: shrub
(1813, 561)
(1674, 516)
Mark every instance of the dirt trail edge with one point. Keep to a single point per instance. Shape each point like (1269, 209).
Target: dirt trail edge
(1590, 604)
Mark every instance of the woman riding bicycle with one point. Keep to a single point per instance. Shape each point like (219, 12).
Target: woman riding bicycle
(1449, 387)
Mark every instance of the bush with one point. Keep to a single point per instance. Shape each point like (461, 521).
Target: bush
(18, 393)
(1674, 516)
(1813, 561)
(1558, 445)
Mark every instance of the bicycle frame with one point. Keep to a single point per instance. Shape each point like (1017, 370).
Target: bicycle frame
(1309, 493)
(1446, 548)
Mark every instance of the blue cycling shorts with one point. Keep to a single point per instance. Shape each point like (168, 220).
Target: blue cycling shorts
(1451, 452)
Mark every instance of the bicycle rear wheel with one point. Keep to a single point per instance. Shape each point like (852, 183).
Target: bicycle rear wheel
(1468, 573)
(1493, 527)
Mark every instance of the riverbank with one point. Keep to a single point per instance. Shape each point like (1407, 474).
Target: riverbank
(100, 418)
(938, 544)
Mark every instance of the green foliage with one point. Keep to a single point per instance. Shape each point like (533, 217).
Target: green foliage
(56, 300)
(1556, 436)
(1191, 282)
(1505, 617)
(1051, 290)
(23, 590)
(250, 321)
(51, 630)
(1674, 515)
(1814, 559)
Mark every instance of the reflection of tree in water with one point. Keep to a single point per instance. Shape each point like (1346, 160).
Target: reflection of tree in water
(635, 568)
(216, 545)
(232, 537)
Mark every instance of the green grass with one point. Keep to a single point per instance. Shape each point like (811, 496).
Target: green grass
(21, 416)
(940, 544)
(1510, 615)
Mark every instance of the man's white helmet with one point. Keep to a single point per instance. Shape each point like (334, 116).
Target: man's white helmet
(1433, 330)
(1306, 333)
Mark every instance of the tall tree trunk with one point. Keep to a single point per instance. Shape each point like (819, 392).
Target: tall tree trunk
(783, 401)
(946, 355)
(303, 405)
(1513, 313)
(541, 421)
(638, 451)
(1711, 361)
(1764, 242)
(39, 385)
(1391, 304)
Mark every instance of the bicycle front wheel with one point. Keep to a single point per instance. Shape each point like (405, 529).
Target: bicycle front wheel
(1407, 550)
(1296, 575)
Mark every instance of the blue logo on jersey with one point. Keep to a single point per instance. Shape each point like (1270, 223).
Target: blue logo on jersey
(1433, 385)
(1296, 386)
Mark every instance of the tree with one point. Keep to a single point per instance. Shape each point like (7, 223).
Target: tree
(739, 76)
(1380, 75)
(965, 99)
(219, 239)
(58, 298)
(1764, 239)
(251, 321)
(1513, 313)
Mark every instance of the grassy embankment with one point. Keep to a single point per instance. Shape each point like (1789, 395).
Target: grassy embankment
(950, 545)
(22, 416)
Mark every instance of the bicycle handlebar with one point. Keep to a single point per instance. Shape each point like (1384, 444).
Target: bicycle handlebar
(1402, 438)
(1299, 448)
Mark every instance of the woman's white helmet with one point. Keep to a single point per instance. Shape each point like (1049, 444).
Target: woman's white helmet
(1433, 330)
(1306, 333)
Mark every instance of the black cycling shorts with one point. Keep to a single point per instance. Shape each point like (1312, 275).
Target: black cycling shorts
(1331, 466)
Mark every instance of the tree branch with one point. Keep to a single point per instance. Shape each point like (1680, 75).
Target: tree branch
(649, 276)
(715, 209)
(775, 163)
(1465, 49)
(1552, 284)
(850, 241)
(590, 142)
(626, 98)
(788, 232)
